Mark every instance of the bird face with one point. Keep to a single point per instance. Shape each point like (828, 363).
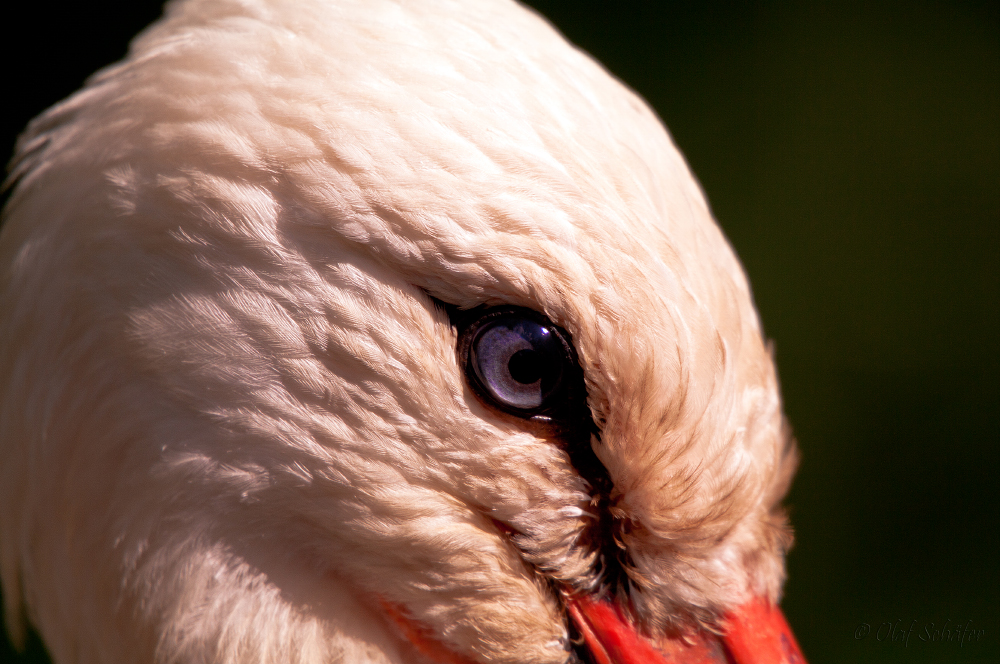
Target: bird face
(379, 332)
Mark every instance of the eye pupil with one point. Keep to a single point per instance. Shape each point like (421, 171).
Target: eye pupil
(526, 366)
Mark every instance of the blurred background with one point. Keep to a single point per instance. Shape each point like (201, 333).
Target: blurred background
(851, 152)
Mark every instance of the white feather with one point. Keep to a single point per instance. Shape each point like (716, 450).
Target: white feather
(232, 419)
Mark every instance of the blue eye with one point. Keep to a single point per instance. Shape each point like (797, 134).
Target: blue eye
(520, 362)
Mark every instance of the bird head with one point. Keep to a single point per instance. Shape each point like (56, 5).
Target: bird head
(379, 332)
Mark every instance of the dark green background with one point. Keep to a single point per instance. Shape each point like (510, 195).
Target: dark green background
(851, 153)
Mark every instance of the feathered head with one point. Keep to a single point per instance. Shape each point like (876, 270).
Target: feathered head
(373, 331)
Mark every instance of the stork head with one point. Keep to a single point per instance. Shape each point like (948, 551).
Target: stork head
(379, 331)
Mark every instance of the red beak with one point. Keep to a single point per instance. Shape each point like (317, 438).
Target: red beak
(755, 633)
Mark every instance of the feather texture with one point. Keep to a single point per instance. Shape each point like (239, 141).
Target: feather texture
(231, 414)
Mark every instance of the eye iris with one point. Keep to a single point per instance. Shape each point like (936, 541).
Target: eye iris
(519, 362)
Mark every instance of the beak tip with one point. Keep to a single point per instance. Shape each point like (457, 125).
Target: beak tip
(755, 633)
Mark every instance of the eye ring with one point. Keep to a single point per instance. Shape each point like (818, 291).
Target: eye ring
(518, 361)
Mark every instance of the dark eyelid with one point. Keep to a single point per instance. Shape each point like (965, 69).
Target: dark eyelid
(463, 318)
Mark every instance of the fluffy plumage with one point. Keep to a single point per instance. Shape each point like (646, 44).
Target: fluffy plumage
(232, 420)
